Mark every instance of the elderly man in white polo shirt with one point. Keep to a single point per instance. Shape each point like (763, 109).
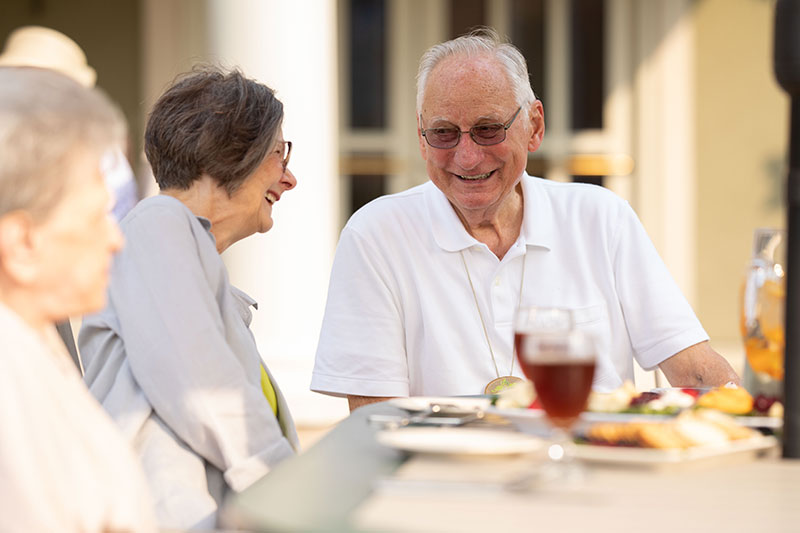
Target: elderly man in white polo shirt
(426, 282)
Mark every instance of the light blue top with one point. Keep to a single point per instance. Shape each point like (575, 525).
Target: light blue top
(173, 360)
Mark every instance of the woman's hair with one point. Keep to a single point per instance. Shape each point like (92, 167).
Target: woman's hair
(211, 122)
(45, 117)
(479, 42)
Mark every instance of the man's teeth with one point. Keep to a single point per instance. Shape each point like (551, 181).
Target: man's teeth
(476, 176)
(270, 197)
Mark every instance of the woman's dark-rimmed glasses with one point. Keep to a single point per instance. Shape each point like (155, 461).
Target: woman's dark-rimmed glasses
(483, 134)
(286, 152)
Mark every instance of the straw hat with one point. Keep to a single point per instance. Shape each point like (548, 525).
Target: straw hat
(36, 46)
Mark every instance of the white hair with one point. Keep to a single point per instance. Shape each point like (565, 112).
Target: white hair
(45, 117)
(479, 42)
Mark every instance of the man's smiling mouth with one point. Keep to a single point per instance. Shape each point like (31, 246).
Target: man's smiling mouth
(475, 177)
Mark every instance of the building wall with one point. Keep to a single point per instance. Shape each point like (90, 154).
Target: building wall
(741, 131)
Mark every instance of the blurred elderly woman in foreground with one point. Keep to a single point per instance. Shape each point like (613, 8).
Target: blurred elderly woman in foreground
(63, 465)
(172, 357)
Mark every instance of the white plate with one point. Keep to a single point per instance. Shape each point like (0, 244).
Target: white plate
(458, 441)
(416, 404)
(657, 457)
(768, 422)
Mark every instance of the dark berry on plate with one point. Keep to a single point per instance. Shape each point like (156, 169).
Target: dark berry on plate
(644, 397)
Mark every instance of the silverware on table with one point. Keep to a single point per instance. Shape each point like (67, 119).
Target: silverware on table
(435, 415)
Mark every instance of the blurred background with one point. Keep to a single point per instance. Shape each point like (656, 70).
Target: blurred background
(672, 104)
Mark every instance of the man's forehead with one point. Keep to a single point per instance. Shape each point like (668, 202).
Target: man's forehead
(478, 86)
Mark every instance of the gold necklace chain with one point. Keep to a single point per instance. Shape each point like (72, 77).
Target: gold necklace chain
(480, 315)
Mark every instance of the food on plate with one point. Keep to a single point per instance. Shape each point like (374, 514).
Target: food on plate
(627, 400)
(636, 434)
(521, 394)
(614, 401)
(763, 404)
(699, 432)
(662, 436)
(729, 399)
(695, 428)
(671, 400)
(735, 401)
(726, 423)
(775, 410)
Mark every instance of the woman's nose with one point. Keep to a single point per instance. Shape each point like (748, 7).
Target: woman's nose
(288, 180)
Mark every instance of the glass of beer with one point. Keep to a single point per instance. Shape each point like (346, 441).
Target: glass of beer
(560, 361)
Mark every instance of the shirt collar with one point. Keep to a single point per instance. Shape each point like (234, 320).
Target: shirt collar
(242, 297)
(246, 300)
(537, 220)
(451, 236)
(205, 223)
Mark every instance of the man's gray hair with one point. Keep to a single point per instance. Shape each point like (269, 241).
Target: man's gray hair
(45, 117)
(478, 42)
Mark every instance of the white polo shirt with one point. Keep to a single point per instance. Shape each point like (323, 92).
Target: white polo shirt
(401, 319)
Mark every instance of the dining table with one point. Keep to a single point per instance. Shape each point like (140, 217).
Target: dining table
(350, 482)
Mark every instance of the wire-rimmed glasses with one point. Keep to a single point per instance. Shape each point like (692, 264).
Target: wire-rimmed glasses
(482, 134)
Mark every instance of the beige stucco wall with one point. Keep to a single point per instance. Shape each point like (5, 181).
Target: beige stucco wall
(741, 138)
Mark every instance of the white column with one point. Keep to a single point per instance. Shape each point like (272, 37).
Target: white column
(666, 178)
(174, 37)
(291, 47)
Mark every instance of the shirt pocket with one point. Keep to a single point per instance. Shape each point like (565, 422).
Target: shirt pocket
(585, 317)
(593, 320)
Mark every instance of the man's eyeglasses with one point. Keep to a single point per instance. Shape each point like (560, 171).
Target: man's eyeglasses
(483, 134)
(286, 152)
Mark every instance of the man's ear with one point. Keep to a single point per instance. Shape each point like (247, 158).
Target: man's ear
(536, 118)
(17, 247)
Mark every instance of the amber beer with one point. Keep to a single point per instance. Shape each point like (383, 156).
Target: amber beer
(562, 381)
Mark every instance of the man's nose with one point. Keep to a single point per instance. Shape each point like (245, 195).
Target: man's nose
(467, 153)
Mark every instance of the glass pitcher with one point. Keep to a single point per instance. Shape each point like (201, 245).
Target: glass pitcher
(762, 322)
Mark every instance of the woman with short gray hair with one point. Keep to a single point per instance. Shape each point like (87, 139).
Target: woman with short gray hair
(172, 357)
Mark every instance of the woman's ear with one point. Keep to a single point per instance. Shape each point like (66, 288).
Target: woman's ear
(17, 247)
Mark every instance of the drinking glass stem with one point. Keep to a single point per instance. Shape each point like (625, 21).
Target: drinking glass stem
(560, 449)
(562, 456)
